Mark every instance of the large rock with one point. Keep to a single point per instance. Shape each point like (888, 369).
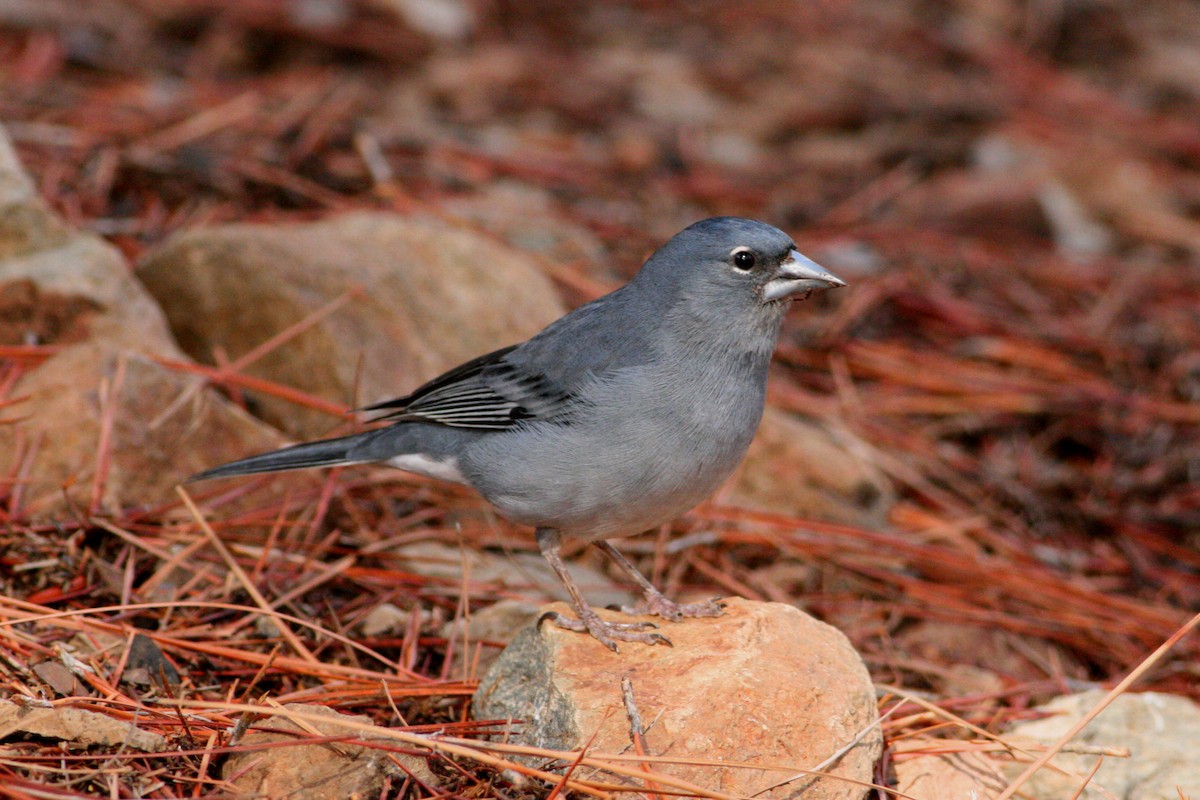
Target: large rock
(165, 426)
(764, 683)
(527, 218)
(70, 289)
(1161, 732)
(431, 295)
(806, 469)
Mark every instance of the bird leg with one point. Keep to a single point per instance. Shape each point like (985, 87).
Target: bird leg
(655, 602)
(550, 543)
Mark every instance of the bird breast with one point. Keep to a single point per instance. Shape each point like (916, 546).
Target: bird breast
(647, 447)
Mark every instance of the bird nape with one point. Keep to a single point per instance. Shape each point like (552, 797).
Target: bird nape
(618, 417)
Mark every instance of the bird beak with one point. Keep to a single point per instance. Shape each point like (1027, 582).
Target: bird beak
(799, 274)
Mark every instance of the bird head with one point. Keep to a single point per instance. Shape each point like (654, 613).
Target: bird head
(731, 264)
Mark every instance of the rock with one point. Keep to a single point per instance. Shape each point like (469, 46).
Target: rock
(338, 771)
(1077, 234)
(16, 189)
(78, 289)
(59, 286)
(451, 20)
(854, 258)
(385, 618)
(944, 775)
(26, 224)
(431, 295)
(146, 665)
(59, 678)
(527, 218)
(165, 426)
(799, 467)
(764, 683)
(71, 289)
(1159, 730)
(666, 87)
(77, 726)
(475, 640)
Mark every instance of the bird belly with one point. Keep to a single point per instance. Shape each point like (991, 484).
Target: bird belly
(617, 474)
(445, 469)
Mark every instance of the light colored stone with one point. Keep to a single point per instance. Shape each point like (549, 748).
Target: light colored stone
(1160, 730)
(451, 20)
(165, 426)
(527, 218)
(808, 469)
(430, 296)
(384, 618)
(944, 775)
(15, 186)
(58, 285)
(75, 289)
(667, 87)
(341, 771)
(764, 683)
(76, 725)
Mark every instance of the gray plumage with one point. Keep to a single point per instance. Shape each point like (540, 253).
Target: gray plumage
(619, 416)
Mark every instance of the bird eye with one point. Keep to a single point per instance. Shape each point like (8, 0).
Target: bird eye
(743, 260)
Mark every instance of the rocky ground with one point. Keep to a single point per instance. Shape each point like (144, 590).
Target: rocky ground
(970, 512)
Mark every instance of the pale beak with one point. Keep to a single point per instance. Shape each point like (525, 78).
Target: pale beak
(799, 274)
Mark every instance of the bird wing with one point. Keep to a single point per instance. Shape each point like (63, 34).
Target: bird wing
(536, 380)
(487, 392)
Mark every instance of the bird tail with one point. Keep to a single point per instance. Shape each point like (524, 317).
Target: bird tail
(326, 453)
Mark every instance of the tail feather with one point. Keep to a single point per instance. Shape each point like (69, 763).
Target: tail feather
(326, 453)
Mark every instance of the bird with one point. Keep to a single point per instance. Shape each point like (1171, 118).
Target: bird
(616, 418)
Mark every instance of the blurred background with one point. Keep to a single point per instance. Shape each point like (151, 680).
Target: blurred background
(1010, 187)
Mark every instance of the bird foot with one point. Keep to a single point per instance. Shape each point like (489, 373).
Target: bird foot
(658, 605)
(607, 632)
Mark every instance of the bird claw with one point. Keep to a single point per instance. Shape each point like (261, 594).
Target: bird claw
(659, 606)
(607, 632)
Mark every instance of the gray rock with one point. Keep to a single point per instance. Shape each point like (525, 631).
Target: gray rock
(1161, 732)
(498, 623)
(58, 285)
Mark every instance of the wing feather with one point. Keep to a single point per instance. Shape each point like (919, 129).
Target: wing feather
(489, 392)
(538, 379)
